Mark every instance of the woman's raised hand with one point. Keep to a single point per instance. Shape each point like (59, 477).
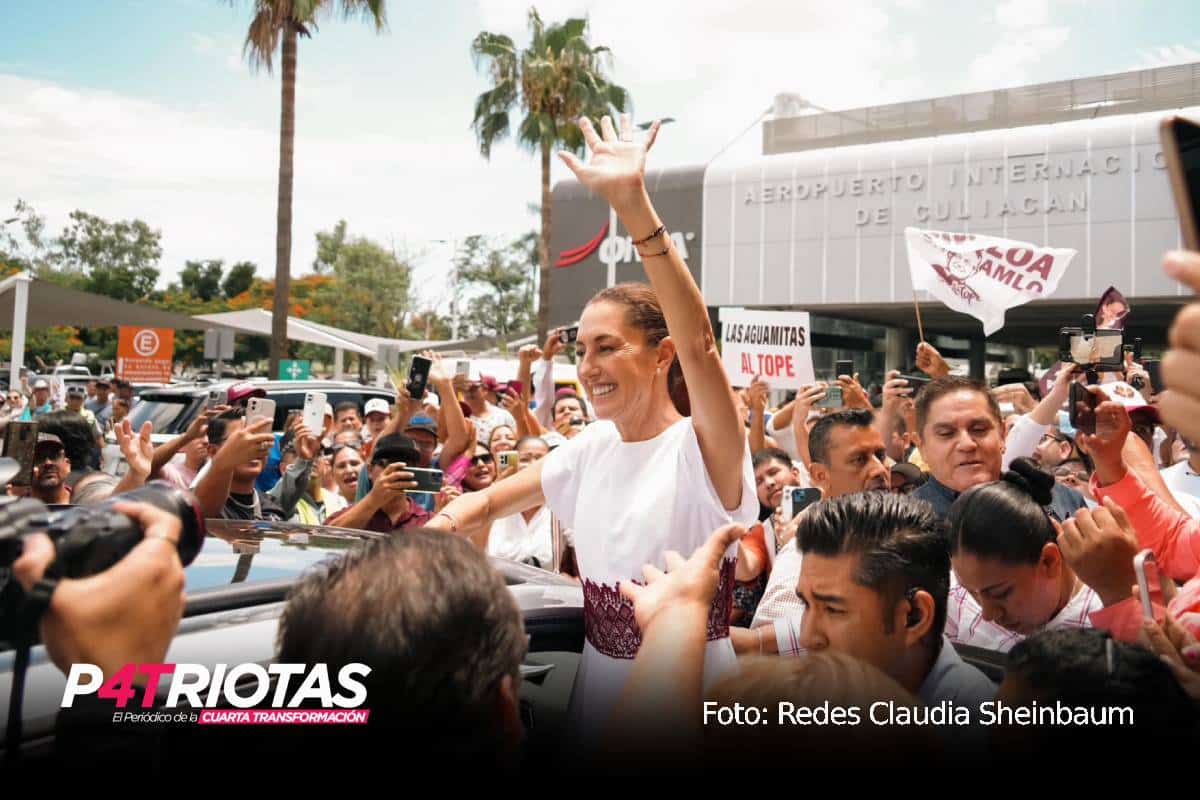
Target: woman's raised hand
(617, 164)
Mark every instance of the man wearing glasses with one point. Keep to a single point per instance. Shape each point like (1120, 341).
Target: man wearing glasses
(1075, 474)
(1054, 448)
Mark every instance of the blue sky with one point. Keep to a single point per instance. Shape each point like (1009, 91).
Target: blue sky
(145, 107)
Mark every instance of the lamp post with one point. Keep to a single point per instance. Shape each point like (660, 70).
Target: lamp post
(453, 286)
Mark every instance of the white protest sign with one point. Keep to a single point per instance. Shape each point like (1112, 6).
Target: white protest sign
(773, 344)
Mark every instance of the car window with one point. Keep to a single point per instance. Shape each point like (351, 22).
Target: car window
(285, 402)
(167, 413)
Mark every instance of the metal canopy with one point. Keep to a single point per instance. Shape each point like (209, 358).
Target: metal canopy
(27, 302)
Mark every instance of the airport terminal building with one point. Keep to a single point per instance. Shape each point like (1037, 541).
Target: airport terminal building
(816, 223)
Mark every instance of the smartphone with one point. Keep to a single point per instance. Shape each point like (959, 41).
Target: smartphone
(463, 368)
(917, 382)
(418, 377)
(428, 480)
(508, 459)
(260, 408)
(568, 335)
(314, 412)
(1153, 367)
(218, 397)
(1181, 149)
(832, 398)
(1143, 581)
(1082, 407)
(1104, 348)
(841, 368)
(20, 440)
(796, 499)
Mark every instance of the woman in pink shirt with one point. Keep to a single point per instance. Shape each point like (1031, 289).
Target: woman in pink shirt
(1145, 519)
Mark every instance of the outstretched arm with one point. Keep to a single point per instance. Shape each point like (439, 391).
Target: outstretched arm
(616, 171)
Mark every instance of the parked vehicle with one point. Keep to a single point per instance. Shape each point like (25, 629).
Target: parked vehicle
(170, 409)
(235, 595)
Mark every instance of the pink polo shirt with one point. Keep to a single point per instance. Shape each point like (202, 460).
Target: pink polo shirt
(1174, 537)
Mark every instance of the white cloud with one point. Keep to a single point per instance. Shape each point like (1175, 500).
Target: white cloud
(209, 184)
(1167, 55)
(1023, 13)
(715, 67)
(1010, 59)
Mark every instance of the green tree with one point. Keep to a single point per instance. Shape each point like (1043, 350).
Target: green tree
(33, 254)
(329, 243)
(369, 290)
(239, 279)
(115, 259)
(499, 285)
(280, 24)
(555, 80)
(202, 279)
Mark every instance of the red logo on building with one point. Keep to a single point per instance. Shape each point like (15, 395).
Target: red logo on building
(576, 254)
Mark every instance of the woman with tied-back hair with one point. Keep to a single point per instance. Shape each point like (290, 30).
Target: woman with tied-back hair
(1009, 576)
(646, 477)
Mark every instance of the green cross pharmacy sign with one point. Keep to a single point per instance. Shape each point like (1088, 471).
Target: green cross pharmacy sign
(293, 370)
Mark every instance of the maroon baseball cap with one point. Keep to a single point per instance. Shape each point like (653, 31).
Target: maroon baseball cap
(244, 390)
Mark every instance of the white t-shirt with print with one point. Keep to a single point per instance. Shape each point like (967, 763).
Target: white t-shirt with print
(628, 503)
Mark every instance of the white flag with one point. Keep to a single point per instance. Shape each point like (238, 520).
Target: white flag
(983, 276)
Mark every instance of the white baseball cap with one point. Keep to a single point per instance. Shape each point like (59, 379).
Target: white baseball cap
(376, 405)
(431, 399)
(1126, 395)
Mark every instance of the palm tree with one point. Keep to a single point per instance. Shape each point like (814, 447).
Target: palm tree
(285, 21)
(557, 79)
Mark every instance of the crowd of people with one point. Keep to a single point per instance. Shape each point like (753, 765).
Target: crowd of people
(944, 516)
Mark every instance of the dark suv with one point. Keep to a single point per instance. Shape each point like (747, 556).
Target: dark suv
(236, 589)
(172, 408)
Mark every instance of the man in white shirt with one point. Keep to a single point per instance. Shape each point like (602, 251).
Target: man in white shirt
(848, 455)
(1183, 479)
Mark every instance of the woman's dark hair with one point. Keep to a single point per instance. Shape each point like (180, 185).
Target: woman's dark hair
(1087, 670)
(1006, 519)
(645, 313)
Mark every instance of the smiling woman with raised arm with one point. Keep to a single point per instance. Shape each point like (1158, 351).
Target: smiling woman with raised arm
(644, 479)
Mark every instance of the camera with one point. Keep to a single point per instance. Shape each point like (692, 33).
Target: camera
(1097, 350)
(87, 539)
(90, 539)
